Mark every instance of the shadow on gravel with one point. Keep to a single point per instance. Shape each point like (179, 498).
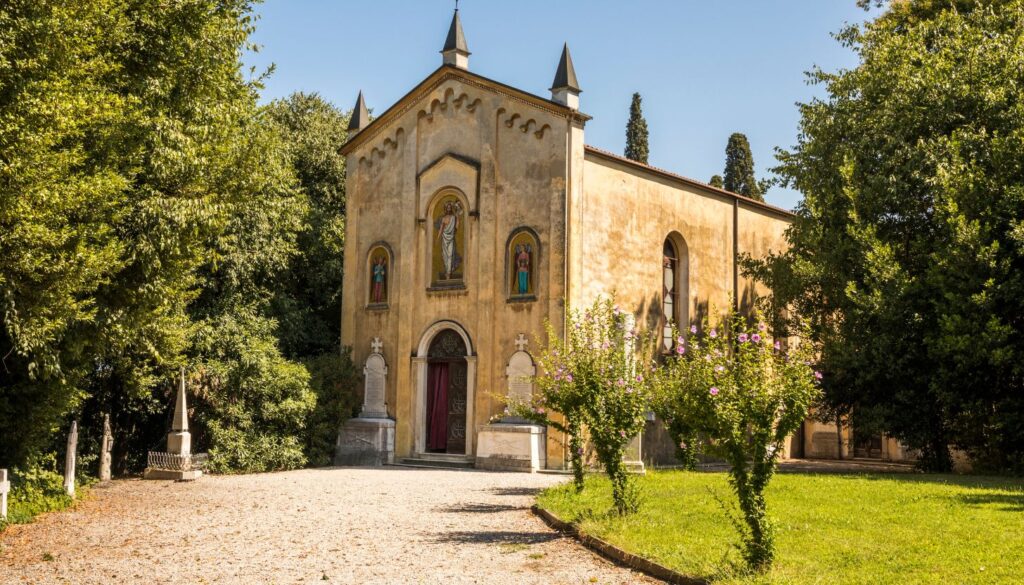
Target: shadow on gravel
(515, 491)
(479, 508)
(494, 537)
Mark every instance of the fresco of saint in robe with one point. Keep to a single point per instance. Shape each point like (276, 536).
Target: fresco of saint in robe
(379, 277)
(521, 262)
(449, 240)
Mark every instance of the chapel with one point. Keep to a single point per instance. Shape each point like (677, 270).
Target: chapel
(476, 211)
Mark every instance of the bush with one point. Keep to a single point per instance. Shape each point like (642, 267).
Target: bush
(594, 379)
(35, 489)
(335, 381)
(252, 402)
(743, 395)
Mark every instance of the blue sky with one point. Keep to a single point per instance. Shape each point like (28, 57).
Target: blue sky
(705, 68)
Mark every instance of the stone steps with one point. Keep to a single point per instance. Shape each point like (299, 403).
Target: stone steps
(436, 462)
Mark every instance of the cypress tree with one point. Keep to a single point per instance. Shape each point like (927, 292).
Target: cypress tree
(636, 133)
(717, 181)
(739, 168)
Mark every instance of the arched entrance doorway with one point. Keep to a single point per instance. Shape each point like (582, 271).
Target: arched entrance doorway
(446, 394)
(445, 370)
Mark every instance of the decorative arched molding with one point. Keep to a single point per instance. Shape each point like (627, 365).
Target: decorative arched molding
(528, 124)
(428, 335)
(449, 98)
(380, 152)
(389, 281)
(510, 265)
(420, 363)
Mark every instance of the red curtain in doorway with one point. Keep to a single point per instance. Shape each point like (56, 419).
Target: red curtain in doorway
(437, 408)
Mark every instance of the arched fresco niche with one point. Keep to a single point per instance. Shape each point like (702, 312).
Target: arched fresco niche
(522, 260)
(448, 237)
(379, 269)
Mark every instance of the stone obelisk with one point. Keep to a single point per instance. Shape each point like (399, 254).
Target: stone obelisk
(176, 463)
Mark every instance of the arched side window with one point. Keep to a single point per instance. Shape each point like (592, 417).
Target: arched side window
(521, 265)
(379, 268)
(448, 237)
(669, 291)
(675, 288)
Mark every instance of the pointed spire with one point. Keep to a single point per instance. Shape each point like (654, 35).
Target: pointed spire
(360, 116)
(565, 89)
(456, 51)
(180, 422)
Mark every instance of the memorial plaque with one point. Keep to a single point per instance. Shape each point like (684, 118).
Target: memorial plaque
(375, 373)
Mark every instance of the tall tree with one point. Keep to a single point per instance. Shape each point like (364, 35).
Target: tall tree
(62, 188)
(717, 182)
(907, 251)
(739, 168)
(636, 132)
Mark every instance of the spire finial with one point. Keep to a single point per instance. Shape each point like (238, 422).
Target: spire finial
(360, 116)
(565, 89)
(456, 51)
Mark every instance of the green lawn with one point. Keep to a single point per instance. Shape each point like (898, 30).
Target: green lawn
(861, 529)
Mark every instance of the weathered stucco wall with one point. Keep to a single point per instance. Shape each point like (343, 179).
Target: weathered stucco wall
(508, 158)
(625, 214)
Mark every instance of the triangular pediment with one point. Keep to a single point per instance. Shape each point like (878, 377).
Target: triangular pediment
(422, 92)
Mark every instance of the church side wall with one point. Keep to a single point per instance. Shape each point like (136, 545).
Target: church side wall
(508, 159)
(625, 215)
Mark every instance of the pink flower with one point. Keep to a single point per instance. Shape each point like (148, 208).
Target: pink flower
(743, 337)
(540, 411)
(622, 434)
(568, 378)
(621, 382)
(761, 326)
(817, 375)
(680, 340)
(693, 328)
(580, 450)
(755, 338)
(714, 391)
(682, 444)
(713, 333)
(719, 369)
(778, 345)
(680, 349)
(639, 377)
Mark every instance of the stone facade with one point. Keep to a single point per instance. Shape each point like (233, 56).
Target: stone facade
(489, 213)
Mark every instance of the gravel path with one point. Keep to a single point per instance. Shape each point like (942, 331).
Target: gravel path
(341, 525)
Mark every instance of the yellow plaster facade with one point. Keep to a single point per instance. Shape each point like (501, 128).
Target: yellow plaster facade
(516, 163)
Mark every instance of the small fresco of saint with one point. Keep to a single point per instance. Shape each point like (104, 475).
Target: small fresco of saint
(378, 293)
(522, 258)
(447, 228)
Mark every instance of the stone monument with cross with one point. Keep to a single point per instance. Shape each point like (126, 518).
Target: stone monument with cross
(369, 439)
(511, 443)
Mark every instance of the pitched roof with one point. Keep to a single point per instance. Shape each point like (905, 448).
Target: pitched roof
(456, 40)
(688, 181)
(360, 116)
(565, 76)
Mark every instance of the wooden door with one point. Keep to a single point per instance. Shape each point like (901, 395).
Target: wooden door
(457, 407)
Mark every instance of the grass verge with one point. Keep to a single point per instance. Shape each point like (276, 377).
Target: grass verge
(863, 529)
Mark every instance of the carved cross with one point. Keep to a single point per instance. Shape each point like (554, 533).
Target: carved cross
(376, 346)
(521, 342)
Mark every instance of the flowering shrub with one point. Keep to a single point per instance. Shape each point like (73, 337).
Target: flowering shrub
(740, 395)
(597, 377)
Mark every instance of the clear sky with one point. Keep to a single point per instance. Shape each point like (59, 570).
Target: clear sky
(705, 68)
